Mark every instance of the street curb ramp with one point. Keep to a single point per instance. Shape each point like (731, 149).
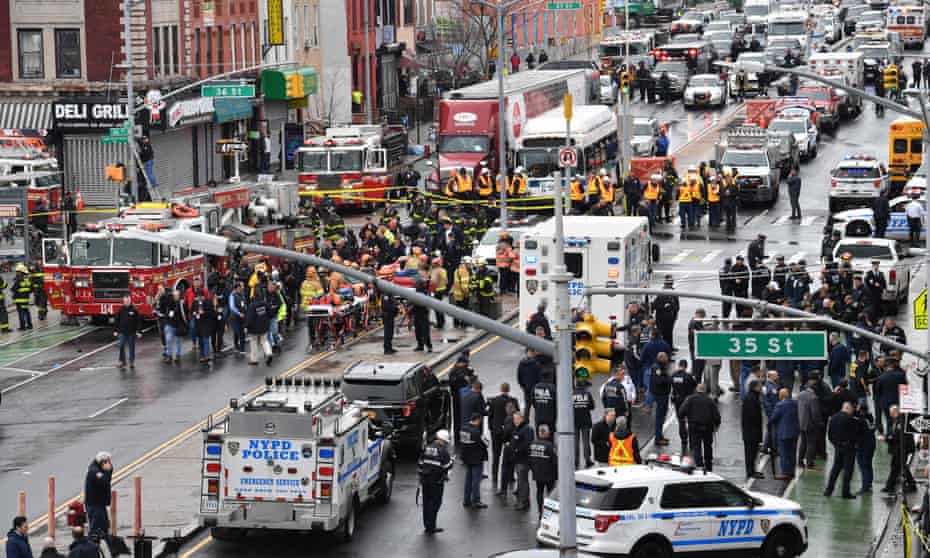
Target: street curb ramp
(165, 548)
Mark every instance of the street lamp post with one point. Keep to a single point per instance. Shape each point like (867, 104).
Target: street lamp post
(500, 7)
(130, 99)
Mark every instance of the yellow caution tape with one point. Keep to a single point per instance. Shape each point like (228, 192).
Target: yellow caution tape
(328, 191)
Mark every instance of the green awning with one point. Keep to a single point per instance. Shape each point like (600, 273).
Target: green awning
(302, 82)
(228, 110)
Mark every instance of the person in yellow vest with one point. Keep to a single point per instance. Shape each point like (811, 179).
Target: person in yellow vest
(624, 448)
(452, 185)
(517, 185)
(357, 98)
(595, 183)
(605, 194)
(713, 201)
(576, 194)
(503, 259)
(651, 194)
(729, 198)
(684, 204)
(465, 185)
(697, 198)
(485, 184)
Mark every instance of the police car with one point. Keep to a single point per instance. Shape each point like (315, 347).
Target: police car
(857, 180)
(861, 222)
(660, 509)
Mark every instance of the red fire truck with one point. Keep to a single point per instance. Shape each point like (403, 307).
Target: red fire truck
(367, 158)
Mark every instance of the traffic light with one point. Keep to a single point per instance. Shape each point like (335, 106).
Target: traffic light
(592, 354)
(294, 86)
(625, 79)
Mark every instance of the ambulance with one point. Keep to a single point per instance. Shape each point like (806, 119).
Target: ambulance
(297, 457)
(599, 252)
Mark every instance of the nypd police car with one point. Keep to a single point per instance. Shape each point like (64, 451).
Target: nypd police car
(861, 222)
(657, 511)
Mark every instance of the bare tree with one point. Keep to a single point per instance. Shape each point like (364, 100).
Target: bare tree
(333, 84)
(472, 28)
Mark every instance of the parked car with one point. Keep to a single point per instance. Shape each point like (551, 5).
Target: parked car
(857, 180)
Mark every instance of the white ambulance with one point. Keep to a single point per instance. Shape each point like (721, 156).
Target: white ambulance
(296, 457)
(599, 252)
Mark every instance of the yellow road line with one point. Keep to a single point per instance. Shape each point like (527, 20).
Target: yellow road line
(197, 547)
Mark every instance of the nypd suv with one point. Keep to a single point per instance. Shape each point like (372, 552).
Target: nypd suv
(659, 510)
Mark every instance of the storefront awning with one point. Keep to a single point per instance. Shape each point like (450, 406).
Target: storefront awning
(25, 114)
(284, 85)
(228, 110)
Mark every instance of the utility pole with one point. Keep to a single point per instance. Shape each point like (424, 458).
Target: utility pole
(367, 23)
(130, 99)
(565, 417)
(922, 101)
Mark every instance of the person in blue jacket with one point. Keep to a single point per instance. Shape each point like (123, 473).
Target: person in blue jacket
(787, 430)
(839, 360)
(17, 539)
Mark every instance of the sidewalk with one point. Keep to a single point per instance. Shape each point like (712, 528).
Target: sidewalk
(171, 482)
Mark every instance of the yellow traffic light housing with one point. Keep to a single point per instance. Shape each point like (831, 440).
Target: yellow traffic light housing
(593, 354)
(625, 79)
(294, 88)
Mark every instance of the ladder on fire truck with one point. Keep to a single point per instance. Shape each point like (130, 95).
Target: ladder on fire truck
(154, 192)
(321, 398)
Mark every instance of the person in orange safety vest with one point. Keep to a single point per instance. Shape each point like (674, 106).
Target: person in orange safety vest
(624, 448)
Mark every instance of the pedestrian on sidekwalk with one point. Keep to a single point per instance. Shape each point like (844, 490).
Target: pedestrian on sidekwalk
(583, 404)
(703, 418)
(787, 430)
(433, 469)
(842, 430)
(865, 447)
(17, 539)
(544, 464)
(474, 453)
(127, 329)
(812, 424)
(683, 385)
(751, 419)
(97, 486)
(501, 408)
(661, 387)
(600, 437)
(520, 440)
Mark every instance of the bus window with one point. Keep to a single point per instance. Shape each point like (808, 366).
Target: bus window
(916, 147)
(575, 264)
(900, 146)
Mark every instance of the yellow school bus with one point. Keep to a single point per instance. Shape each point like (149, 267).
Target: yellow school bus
(905, 138)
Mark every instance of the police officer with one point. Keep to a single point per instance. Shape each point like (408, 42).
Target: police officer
(37, 276)
(683, 385)
(583, 404)
(614, 395)
(500, 410)
(433, 467)
(842, 432)
(756, 250)
(22, 290)
(544, 404)
(666, 309)
(543, 463)
(703, 420)
(388, 313)
(726, 285)
(421, 326)
(519, 449)
(474, 454)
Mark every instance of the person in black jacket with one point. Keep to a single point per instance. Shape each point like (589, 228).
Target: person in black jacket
(473, 402)
(683, 385)
(543, 463)
(583, 404)
(614, 395)
(500, 408)
(219, 329)
(661, 387)
(703, 417)
(519, 443)
(460, 377)
(257, 321)
(544, 403)
(751, 421)
(474, 454)
(539, 319)
(421, 322)
(127, 329)
(81, 546)
(433, 469)
(900, 447)
(204, 324)
(388, 313)
(881, 211)
(176, 323)
(97, 493)
(842, 432)
(529, 372)
(666, 309)
(600, 437)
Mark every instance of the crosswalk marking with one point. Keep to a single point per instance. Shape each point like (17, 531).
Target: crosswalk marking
(680, 257)
(711, 256)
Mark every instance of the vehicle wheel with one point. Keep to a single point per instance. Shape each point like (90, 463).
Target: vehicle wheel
(859, 228)
(348, 524)
(780, 544)
(651, 549)
(227, 533)
(386, 484)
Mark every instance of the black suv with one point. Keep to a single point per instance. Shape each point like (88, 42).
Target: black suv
(398, 394)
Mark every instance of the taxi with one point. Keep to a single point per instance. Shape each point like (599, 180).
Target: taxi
(665, 508)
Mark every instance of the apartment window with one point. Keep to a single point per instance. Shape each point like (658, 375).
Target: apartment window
(175, 51)
(30, 54)
(243, 43)
(219, 49)
(315, 25)
(232, 45)
(197, 63)
(208, 39)
(409, 12)
(68, 52)
(156, 51)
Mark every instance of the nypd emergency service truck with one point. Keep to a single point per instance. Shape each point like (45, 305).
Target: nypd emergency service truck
(599, 252)
(296, 457)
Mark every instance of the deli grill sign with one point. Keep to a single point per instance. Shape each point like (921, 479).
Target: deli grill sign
(89, 114)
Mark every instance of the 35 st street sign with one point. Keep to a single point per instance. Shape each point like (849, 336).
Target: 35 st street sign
(763, 345)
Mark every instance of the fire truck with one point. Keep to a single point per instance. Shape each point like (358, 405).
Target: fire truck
(297, 457)
(91, 273)
(366, 158)
(28, 165)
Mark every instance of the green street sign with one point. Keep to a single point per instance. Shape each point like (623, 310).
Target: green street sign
(763, 345)
(563, 6)
(119, 132)
(109, 140)
(228, 90)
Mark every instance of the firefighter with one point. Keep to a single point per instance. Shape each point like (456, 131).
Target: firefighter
(651, 193)
(22, 289)
(713, 201)
(577, 190)
(334, 227)
(389, 214)
(37, 276)
(485, 289)
(485, 184)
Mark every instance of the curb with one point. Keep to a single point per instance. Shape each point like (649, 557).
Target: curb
(191, 530)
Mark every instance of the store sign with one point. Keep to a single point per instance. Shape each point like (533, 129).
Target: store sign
(191, 111)
(89, 114)
(275, 22)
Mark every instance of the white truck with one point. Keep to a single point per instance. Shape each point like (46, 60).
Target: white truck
(891, 254)
(791, 23)
(599, 252)
(296, 457)
(846, 68)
